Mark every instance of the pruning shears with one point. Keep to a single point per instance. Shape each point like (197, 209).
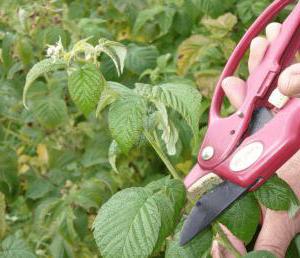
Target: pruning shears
(246, 148)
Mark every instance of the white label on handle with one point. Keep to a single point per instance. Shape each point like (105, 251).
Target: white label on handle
(246, 156)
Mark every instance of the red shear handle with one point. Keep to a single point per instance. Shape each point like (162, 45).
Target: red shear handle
(279, 140)
(233, 62)
(259, 83)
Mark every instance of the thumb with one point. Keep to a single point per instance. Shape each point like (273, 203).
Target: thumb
(218, 251)
(289, 81)
(276, 234)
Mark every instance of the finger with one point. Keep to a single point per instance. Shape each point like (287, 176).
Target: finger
(276, 233)
(289, 172)
(289, 81)
(258, 48)
(237, 243)
(260, 45)
(272, 31)
(279, 224)
(235, 90)
(218, 251)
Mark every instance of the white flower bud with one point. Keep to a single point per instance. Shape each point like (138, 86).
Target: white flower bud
(55, 51)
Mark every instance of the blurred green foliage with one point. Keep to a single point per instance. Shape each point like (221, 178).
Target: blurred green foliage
(59, 163)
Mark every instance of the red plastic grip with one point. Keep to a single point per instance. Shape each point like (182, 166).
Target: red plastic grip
(240, 50)
(280, 137)
(224, 134)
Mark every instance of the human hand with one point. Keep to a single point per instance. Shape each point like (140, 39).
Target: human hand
(278, 230)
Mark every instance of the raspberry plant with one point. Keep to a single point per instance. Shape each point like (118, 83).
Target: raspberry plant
(103, 108)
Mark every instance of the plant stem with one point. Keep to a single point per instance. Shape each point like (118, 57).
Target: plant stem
(156, 146)
(223, 240)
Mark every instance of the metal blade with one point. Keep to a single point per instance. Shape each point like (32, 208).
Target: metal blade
(260, 117)
(212, 204)
(208, 208)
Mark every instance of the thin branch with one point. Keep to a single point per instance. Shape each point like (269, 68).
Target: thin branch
(156, 146)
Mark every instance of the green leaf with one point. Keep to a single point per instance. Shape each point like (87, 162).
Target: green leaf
(94, 155)
(108, 96)
(259, 254)
(126, 120)
(43, 210)
(90, 195)
(249, 10)
(81, 222)
(174, 189)
(183, 98)
(52, 35)
(128, 224)
(85, 86)
(50, 111)
(161, 16)
(242, 218)
(24, 50)
(7, 46)
(140, 58)
(82, 48)
(170, 197)
(116, 51)
(125, 6)
(190, 51)
(206, 81)
(169, 131)
(183, 22)
(276, 194)
(14, 247)
(60, 248)
(198, 247)
(213, 7)
(69, 223)
(113, 153)
(40, 68)
(167, 213)
(15, 68)
(120, 88)
(294, 248)
(163, 61)
(77, 10)
(108, 68)
(220, 27)
(9, 181)
(39, 188)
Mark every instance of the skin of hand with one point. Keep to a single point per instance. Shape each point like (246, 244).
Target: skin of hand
(278, 230)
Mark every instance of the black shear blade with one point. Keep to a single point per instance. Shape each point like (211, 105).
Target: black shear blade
(208, 208)
(212, 204)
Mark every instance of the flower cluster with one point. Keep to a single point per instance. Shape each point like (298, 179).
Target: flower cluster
(55, 51)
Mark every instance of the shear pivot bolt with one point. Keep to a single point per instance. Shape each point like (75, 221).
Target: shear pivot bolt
(208, 153)
(240, 114)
